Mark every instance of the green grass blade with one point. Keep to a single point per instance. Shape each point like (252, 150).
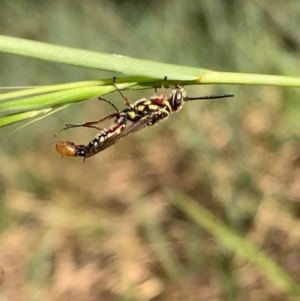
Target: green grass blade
(47, 89)
(235, 243)
(96, 60)
(58, 99)
(123, 82)
(249, 79)
(131, 66)
(38, 117)
(14, 118)
(55, 99)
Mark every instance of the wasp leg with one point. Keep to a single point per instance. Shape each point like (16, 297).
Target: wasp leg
(162, 86)
(90, 124)
(127, 102)
(160, 99)
(164, 83)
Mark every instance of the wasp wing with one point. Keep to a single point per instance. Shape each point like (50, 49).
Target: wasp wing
(131, 129)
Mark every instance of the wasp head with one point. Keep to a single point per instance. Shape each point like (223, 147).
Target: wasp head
(177, 97)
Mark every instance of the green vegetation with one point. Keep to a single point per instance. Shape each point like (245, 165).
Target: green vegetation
(204, 206)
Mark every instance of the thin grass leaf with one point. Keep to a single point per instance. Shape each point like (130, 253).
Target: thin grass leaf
(95, 60)
(47, 89)
(55, 99)
(14, 118)
(123, 82)
(134, 67)
(59, 99)
(231, 240)
(43, 115)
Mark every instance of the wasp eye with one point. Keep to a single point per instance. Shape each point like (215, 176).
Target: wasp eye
(179, 98)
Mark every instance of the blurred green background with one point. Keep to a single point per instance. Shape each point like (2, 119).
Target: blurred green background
(107, 229)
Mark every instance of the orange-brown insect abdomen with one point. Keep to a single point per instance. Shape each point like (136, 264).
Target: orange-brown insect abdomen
(66, 148)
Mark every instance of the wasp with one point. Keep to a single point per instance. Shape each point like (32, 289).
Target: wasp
(104, 139)
(144, 112)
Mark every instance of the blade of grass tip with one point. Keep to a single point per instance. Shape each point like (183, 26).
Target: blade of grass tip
(235, 243)
(129, 80)
(14, 118)
(46, 89)
(55, 99)
(46, 114)
(97, 60)
(60, 98)
(124, 82)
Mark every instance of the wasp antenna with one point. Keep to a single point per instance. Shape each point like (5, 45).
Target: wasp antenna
(107, 101)
(208, 97)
